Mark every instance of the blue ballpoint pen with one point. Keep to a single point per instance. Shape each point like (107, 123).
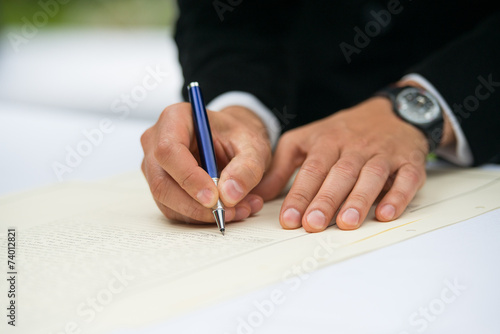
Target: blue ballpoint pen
(206, 146)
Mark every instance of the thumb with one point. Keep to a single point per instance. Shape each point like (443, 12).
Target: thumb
(287, 158)
(243, 173)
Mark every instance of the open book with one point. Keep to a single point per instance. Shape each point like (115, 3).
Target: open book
(97, 257)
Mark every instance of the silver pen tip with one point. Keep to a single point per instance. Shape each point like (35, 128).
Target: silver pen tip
(220, 219)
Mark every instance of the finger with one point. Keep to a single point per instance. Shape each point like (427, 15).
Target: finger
(241, 212)
(172, 153)
(370, 183)
(173, 215)
(167, 192)
(309, 179)
(256, 203)
(248, 206)
(408, 180)
(287, 158)
(244, 171)
(338, 184)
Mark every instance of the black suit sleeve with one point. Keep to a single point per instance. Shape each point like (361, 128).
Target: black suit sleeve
(467, 75)
(233, 47)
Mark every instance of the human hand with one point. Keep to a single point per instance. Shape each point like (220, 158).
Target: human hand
(183, 190)
(347, 160)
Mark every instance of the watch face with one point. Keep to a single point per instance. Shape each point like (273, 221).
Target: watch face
(417, 106)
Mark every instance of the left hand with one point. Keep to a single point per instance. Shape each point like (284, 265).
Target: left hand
(347, 160)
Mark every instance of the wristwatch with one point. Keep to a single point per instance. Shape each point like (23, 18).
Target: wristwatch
(419, 108)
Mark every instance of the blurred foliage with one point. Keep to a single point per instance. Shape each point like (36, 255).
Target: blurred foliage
(92, 13)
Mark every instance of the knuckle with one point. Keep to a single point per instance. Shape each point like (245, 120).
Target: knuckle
(360, 199)
(413, 175)
(379, 170)
(192, 211)
(327, 200)
(347, 169)
(196, 212)
(314, 167)
(254, 169)
(300, 197)
(401, 197)
(164, 150)
(158, 186)
(188, 179)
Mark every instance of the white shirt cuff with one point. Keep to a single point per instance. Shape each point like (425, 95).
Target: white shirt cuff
(247, 100)
(460, 153)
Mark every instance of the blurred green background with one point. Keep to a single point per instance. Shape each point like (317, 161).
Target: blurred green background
(93, 13)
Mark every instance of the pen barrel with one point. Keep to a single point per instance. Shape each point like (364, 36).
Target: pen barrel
(202, 131)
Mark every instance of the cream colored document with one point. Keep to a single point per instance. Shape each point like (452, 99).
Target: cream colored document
(99, 257)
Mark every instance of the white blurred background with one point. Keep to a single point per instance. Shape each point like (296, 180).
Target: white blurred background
(65, 67)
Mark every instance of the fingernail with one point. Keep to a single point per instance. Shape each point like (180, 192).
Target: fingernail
(317, 220)
(291, 218)
(351, 217)
(232, 190)
(256, 205)
(388, 211)
(205, 197)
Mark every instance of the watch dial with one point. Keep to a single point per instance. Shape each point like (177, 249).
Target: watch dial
(417, 106)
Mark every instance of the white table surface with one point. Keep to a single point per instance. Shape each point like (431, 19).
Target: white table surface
(372, 293)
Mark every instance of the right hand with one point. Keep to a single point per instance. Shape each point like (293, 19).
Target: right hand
(181, 188)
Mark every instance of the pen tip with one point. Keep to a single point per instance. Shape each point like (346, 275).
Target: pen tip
(219, 215)
(222, 231)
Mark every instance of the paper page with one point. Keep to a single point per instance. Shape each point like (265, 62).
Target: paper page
(93, 258)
